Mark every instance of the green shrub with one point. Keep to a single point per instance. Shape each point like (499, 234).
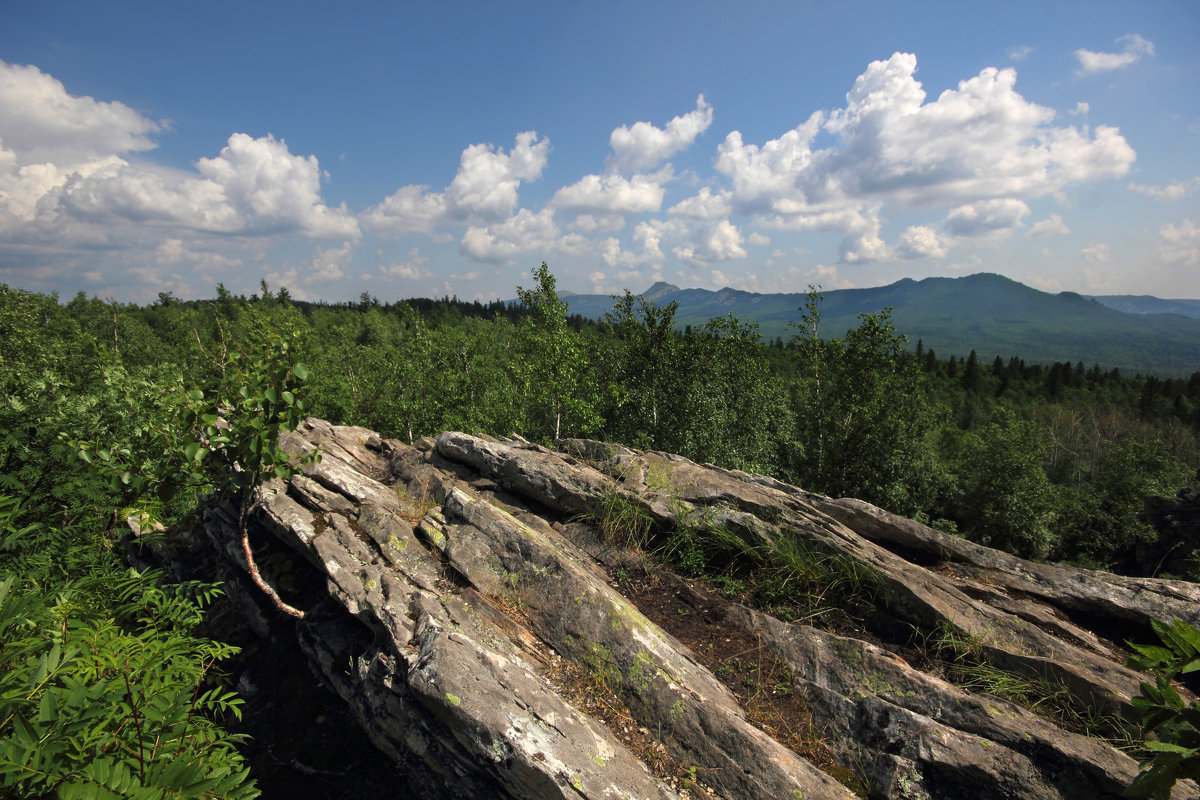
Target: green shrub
(1172, 728)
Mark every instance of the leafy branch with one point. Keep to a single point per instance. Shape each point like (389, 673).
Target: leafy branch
(1172, 728)
(224, 443)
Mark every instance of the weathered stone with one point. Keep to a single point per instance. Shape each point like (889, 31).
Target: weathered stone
(451, 575)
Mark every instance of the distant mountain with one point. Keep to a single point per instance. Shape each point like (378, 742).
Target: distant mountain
(1145, 304)
(990, 314)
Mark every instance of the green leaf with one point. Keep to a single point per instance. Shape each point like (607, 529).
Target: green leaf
(300, 371)
(195, 395)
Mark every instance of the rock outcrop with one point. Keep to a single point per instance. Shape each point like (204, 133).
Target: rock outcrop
(494, 643)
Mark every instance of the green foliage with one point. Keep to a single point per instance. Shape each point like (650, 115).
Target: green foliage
(862, 416)
(117, 703)
(621, 520)
(1097, 522)
(1004, 497)
(641, 365)
(225, 441)
(1172, 728)
(554, 367)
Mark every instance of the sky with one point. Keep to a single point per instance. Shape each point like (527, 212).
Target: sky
(415, 149)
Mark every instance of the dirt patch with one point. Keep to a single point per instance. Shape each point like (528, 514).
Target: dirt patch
(694, 613)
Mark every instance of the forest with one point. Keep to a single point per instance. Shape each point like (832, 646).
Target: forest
(109, 410)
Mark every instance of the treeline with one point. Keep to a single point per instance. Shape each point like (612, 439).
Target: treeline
(1049, 461)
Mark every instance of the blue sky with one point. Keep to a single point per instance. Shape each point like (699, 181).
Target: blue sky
(417, 149)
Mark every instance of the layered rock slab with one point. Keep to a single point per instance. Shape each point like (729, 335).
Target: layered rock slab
(450, 578)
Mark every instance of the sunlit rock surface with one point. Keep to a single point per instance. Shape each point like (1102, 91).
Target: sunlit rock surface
(466, 608)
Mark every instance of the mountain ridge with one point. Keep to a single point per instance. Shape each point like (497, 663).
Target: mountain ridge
(985, 312)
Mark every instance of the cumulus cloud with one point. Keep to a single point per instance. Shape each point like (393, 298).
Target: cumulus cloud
(487, 179)
(522, 233)
(612, 194)
(986, 217)
(485, 189)
(598, 223)
(1050, 226)
(1180, 245)
(1175, 190)
(329, 264)
(1134, 47)
(410, 209)
(43, 123)
(721, 241)
(825, 276)
(979, 142)
(174, 251)
(275, 190)
(642, 146)
(703, 205)
(759, 240)
(920, 241)
(646, 245)
(64, 175)
(416, 267)
(864, 247)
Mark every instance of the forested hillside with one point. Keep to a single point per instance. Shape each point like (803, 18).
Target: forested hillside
(109, 409)
(990, 313)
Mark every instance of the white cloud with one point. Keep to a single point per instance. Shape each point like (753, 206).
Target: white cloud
(483, 190)
(646, 244)
(43, 123)
(487, 179)
(1175, 190)
(1049, 226)
(980, 141)
(525, 232)
(758, 240)
(703, 205)
(598, 223)
(1180, 246)
(65, 173)
(826, 276)
(597, 279)
(1097, 253)
(642, 146)
(613, 194)
(986, 217)
(1081, 109)
(864, 247)
(1020, 53)
(329, 264)
(174, 251)
(1134, 47)
(706, 243)
(416, 267)
(410, 209)
(275, 190)
(920, 241)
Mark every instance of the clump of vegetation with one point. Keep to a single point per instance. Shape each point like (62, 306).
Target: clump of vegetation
(1171, 727)
(115, 702)
(620, 520)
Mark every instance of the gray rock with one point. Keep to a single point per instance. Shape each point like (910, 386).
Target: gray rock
(455, 575)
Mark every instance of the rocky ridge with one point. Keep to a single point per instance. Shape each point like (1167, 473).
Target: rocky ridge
(462, 601)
